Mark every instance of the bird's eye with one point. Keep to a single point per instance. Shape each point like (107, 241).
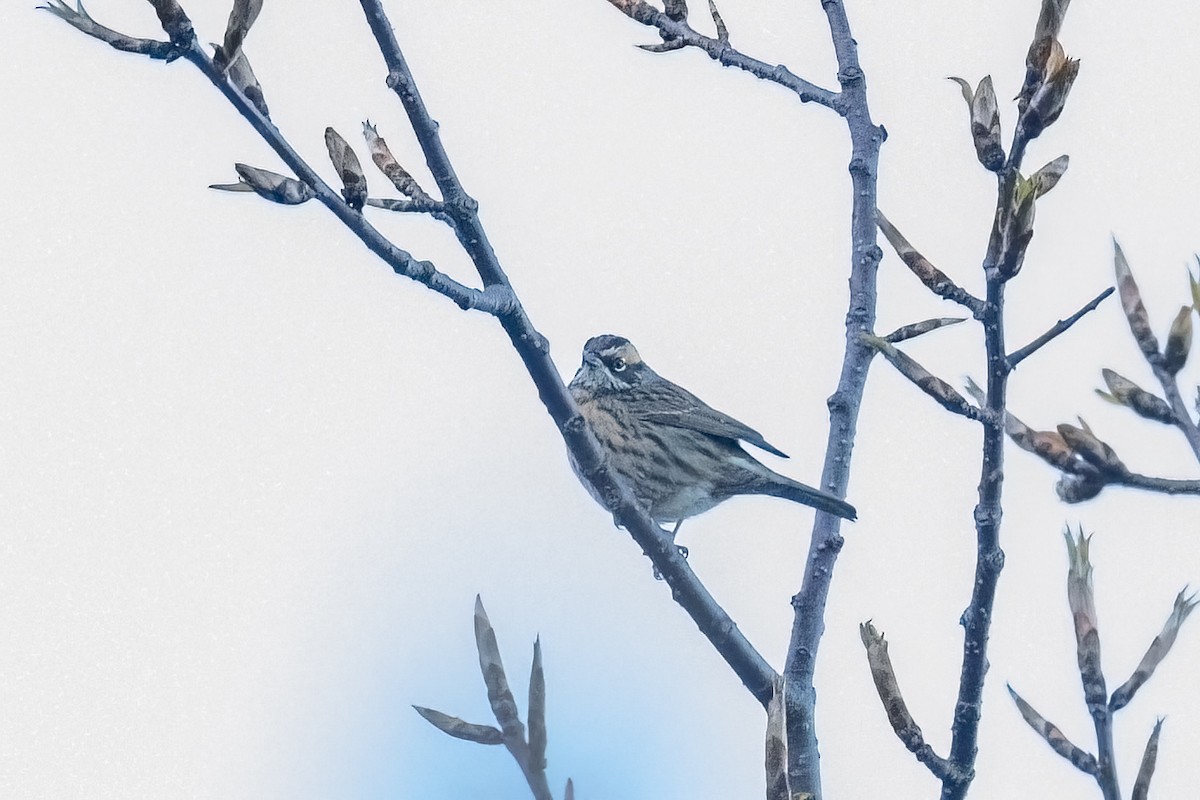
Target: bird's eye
(618, 365)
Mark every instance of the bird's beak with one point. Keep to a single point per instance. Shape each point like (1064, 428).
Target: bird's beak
(590, 360)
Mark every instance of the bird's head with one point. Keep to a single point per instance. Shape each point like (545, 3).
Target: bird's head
(610, 363)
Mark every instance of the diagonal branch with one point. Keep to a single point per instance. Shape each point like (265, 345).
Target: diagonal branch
(686, 588)
(719, 49)
(1058, 328)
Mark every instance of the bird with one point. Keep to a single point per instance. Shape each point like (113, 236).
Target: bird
(678, 455)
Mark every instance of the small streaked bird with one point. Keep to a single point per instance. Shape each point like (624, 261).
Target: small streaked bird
(678, 455)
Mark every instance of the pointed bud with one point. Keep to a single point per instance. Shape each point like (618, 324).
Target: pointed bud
(1048, 176)
(905, 332)
(985, 126)
(537, 709)
(405, 183)
(884, 677)
(504, 706)
(460, 729)
(270, 185)
(1141, 787)
(933, 278)
(1046, 32)
(1131, 303)
(985, 121)
(1125, 392)
(1082, 600)
(241, 17)
(242, 78)
(930, 384)
(722, 31)
(1054, 737)
(354, 182)
(1162, 644)
(1179, 341)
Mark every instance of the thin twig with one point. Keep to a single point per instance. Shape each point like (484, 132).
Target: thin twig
(1160, 485)
(1058, 328)
(720, 50)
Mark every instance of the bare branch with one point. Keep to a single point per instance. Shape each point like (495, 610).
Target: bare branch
(720, 50)
(686, 588)
(1160, 485)
(1057, 329)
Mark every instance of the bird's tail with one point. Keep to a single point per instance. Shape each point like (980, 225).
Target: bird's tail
(797, 492)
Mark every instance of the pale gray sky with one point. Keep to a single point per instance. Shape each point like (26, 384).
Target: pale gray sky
(250, 481)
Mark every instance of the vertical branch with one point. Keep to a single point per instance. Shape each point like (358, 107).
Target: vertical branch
(977, 619)
(809, 604)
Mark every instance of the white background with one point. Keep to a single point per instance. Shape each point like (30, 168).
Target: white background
(251, 481)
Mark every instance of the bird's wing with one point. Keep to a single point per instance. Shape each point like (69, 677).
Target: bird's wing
(682, 409)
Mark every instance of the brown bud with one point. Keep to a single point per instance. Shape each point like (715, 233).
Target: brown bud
(460, 729)
(1091, 449)
(1082, 600)
(1162, 644)
(911, 331)
(1145, 404)
(500, 697)
(404, 182)
(884, 677)
(1141, 787)
(354, 182)
(935, 387)
(1131, 303)
(934, 279)
(537, 708)
(1179, 341)
(1054, 737)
